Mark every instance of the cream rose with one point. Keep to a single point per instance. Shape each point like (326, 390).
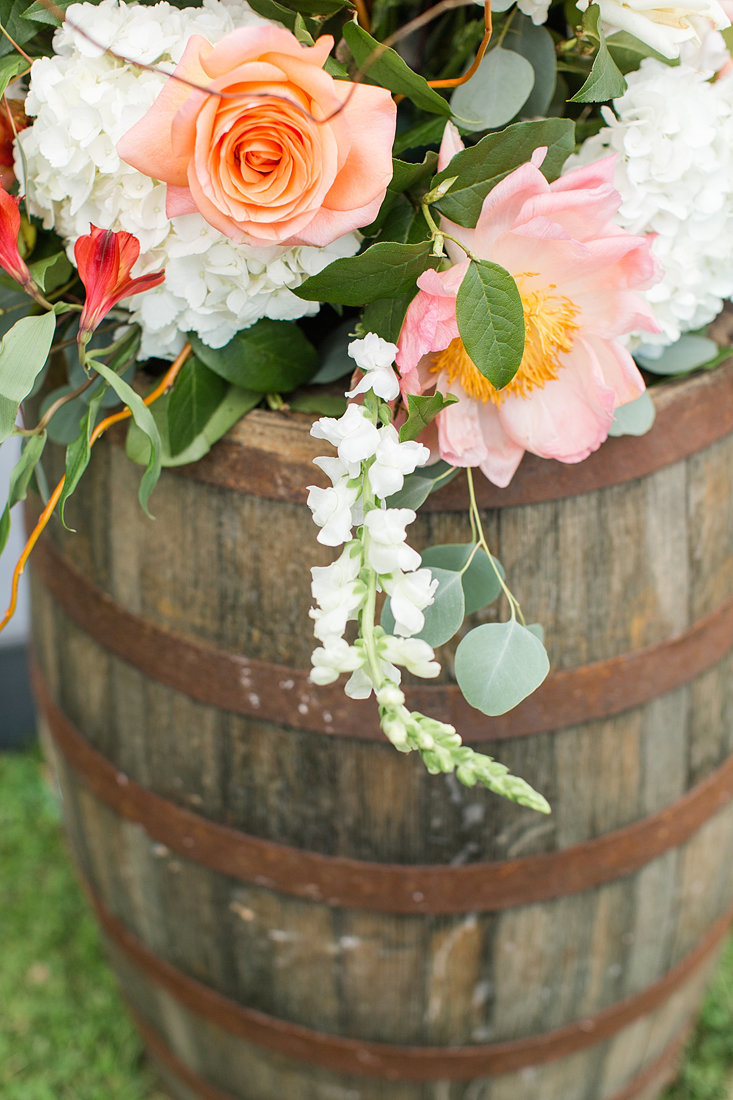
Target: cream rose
(284, 155)
(663, 26)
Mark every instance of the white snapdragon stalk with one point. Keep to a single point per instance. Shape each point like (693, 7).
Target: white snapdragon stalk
(371, 466)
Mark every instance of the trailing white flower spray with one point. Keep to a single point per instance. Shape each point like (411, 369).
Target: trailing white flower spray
(353, 512)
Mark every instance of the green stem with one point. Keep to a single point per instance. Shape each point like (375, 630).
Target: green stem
(478, 530)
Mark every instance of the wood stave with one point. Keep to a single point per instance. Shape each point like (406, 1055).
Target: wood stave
(701, 599)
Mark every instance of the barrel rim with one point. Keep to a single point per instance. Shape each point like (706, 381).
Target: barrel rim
(692, 413)
(282, 694)
(383, 887)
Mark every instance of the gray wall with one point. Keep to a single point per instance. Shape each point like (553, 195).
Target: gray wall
(16, 712)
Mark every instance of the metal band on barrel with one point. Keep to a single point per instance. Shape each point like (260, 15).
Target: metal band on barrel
(364, 1058)
(377, 887)
(284, 695)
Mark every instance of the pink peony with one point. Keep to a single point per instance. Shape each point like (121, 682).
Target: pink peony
(579, 276)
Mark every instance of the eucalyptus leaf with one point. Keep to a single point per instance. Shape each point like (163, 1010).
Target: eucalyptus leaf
(480, 581)
(386, 68)
(634, 418)
(499, 664)
(422, 410)
(480, 167)
(537, 46)
(23, 354)
(444, 616)
(194, 399)
(269, 357)
(490, 321)
(688, 353)
(144, 419)
(384, 270)
(20, 478)
(417, 487)
(495, 93)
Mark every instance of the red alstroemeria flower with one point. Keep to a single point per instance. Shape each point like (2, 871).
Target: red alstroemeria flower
(104, 260)
(10, 258)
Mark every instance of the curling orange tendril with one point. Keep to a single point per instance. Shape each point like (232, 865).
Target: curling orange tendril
(163, 386)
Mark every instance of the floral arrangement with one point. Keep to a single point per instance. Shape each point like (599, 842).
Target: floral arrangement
(488, 217)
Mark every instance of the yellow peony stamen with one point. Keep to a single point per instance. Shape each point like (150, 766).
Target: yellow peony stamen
(550, 324)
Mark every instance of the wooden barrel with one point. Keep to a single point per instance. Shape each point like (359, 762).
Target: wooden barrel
(298, 912)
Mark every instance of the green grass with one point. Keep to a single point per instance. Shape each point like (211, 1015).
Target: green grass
(64, 1034)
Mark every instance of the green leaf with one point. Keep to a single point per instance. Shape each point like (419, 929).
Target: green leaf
(605, 80)
(14, 304)
(235, 404)
(427, 132)
(387, 69)
(194, 399)
(635, 417)
(384, 270)
(629, 52)
(269, 357)
(23, 353)
(319, 403)
(39, 13)
(480, 167)
(422, 410)
(537, 45)
(19, 30)
(418, 486)
(481, 584)
(495, 93)
(143, 417)
(405, 175)
(270, 9)
(688, 353)
(320, 7)
(385, 316)
(63, 427)
(10, 67)
(51, 271)
(78, 453)
(20, 477)
(333, 355)
(491, 321)
(499, 664)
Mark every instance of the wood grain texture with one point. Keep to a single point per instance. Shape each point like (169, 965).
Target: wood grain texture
(608, 572)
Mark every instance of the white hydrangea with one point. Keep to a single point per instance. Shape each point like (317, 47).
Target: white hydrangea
(672, 132)
(83, 101)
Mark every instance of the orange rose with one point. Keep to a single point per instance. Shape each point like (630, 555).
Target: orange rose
(257, 166)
